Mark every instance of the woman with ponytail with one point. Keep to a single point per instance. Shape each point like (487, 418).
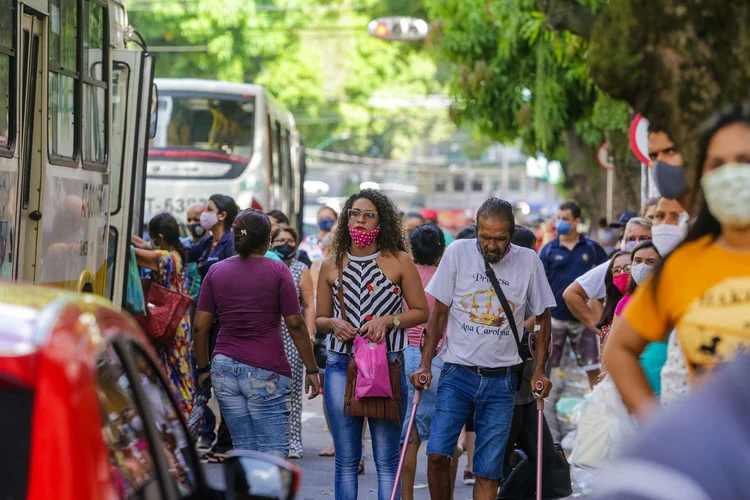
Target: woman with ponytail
(167, 259)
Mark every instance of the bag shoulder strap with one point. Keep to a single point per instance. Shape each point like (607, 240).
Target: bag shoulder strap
(504, 302)
(342, 306)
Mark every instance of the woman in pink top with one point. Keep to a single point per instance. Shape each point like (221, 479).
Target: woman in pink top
(427, 247)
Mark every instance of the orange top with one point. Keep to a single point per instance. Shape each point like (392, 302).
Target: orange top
(703, 292)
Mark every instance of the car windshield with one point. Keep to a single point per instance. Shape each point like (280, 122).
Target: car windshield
(222, 123)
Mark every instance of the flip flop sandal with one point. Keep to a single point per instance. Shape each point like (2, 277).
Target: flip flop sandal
(328, 452)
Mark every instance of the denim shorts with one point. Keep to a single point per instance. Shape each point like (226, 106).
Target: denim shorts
(255, 404)
(412, 358)
(491, 398)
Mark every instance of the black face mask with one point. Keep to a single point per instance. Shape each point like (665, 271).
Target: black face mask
(284, 251)
(196, 230)
(670, 180)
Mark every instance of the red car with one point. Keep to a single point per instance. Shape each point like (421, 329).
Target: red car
(87, 414)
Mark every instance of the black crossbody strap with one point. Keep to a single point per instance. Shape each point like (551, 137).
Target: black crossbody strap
(504, 302)
(490, 273)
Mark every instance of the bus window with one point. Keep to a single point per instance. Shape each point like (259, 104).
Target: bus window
(286, 156)
(120, 79)
(7, 75)
(111, 257)
(225, 123)
(94, 84)
(279, 176)
(63, 74)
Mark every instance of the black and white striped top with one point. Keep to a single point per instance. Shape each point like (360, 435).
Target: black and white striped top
(368, 294)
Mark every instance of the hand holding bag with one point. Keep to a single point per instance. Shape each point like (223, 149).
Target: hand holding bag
(372, 369)
(370, 407)
(165, 309)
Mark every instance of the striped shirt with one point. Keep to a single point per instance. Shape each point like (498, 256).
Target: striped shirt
(368, 294)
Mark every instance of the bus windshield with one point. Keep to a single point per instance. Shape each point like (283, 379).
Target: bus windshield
(224, 123)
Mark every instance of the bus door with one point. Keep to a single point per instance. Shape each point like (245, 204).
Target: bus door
(133, 99)
(30, 152)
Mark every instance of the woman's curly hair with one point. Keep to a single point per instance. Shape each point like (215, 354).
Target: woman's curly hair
(391, 239)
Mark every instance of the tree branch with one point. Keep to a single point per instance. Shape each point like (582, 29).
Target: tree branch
(568, 15)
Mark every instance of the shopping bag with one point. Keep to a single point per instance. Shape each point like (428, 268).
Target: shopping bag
(591, 446)
(621, 425)
(373, 378)
(164, 311)
(135, 303)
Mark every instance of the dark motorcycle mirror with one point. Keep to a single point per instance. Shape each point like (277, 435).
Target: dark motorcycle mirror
(251, 475)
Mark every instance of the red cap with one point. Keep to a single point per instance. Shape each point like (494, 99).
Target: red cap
(429, 213)
(257, 206)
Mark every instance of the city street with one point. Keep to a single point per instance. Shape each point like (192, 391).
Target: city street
(317, 472)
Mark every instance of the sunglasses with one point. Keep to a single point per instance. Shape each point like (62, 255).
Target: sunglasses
(356, 214)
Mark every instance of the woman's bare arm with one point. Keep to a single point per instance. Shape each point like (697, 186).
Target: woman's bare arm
(622, 358)
(308, 301)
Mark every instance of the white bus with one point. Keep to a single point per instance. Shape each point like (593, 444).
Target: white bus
(223, 138)
(75, 112)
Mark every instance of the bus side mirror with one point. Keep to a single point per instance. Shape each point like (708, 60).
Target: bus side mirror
(153, 111)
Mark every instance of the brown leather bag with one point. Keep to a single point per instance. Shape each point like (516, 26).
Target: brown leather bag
(383, 408)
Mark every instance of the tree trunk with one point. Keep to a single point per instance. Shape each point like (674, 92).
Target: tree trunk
(584, 179)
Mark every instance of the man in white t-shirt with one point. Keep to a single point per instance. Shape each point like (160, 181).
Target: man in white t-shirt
(591, 287)
(480, 356)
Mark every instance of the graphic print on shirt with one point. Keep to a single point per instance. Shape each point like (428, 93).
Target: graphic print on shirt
(486, 315)
(368, 294)
(716, 327)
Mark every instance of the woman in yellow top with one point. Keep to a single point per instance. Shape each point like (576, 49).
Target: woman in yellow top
(703, 288)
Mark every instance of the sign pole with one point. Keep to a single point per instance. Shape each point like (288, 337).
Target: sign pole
(604, 157)
(610, 192)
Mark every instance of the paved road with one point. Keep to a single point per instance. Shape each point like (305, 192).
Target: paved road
(317, 472)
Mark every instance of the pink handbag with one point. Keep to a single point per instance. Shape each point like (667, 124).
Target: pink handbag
(373, 377)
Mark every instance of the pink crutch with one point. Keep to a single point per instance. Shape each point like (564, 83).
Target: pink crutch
(539, 438)
(412, 417)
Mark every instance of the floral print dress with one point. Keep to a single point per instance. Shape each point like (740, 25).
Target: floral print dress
(177, 358)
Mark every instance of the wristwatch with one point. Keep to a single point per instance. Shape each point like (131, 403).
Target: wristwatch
(396, 322)
(205, 369)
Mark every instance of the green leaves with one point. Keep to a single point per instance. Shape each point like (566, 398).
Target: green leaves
(315, 56)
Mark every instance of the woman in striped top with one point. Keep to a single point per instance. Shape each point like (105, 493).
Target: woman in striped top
(378, 275)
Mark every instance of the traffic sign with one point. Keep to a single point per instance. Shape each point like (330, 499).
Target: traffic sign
(604, 157)
(401, 28)
(639, 138)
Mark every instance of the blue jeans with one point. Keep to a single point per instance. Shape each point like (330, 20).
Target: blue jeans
(347, 434)
(491, 398)
(412, 358)
(255, 404)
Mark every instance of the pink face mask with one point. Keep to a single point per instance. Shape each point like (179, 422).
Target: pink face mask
(621, 282)
(364, 239)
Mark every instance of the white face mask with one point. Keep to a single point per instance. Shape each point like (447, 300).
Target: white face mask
(639, 272)
(209, 220)
(727, 193)
(666, 237)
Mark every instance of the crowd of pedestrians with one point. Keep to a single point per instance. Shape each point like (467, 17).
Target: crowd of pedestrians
(654, 301)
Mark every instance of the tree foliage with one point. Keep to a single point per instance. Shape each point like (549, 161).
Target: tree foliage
(314, 56)
(517, 77)
(565, 73)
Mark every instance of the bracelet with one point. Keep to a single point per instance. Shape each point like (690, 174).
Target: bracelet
(313, 372)
(205, 369)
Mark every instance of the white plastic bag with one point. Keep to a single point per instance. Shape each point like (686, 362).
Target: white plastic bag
(622, 425)
(604, 425)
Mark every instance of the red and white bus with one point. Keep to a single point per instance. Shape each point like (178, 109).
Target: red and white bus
(226, 138)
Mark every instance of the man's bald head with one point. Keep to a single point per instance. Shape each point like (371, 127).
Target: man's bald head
(194, 211)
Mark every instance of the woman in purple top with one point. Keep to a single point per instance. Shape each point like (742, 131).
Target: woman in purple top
(249, 370)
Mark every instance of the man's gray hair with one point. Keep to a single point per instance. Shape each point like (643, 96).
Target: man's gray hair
(639, 221)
